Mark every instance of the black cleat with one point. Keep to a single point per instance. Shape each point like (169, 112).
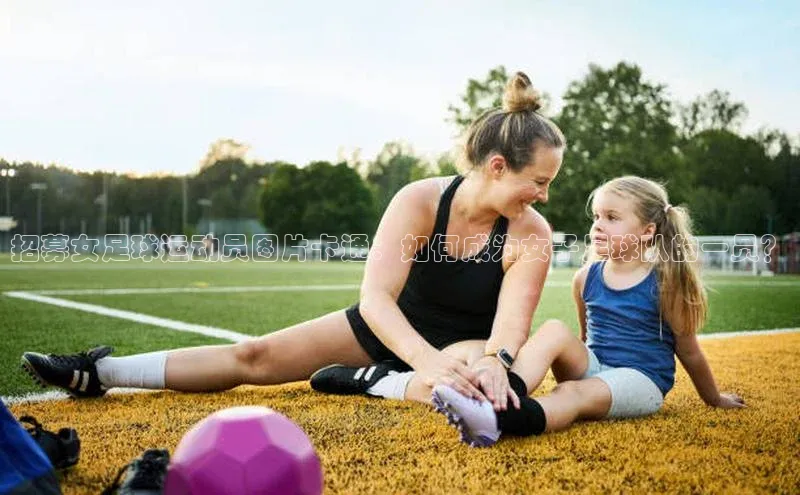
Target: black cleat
(349, 380)
(75, 373)
(143, 476)
(62, 448)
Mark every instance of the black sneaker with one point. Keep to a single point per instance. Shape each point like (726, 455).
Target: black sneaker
(143, 476)
(348, 380)
(62, 448)
(75, 373)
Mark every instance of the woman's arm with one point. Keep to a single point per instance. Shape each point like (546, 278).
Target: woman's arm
(694, 361)
(578, 283)
(520, 292)
(519, 296)
(408, 219)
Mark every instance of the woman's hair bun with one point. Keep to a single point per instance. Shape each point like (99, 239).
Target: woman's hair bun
(520, 96)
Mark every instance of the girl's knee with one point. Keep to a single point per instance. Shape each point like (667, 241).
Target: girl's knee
(591, 393)
(554, 331)
(569, 389)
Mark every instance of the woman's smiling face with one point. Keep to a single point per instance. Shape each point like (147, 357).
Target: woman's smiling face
(514, 191)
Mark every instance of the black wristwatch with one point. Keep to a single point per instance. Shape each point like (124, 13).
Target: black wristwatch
(503, 356)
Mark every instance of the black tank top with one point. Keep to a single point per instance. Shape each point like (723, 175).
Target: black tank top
(445, 295)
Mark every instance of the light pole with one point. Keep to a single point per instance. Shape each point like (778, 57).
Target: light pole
(39, 187)
(8, 173)
(206, 204)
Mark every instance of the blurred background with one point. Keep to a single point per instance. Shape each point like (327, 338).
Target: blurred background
(257, 118)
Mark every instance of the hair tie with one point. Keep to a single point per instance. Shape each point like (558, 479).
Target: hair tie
(666, 208)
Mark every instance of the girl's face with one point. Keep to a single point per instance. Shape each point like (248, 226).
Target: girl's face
(514, 191)
(617, 233)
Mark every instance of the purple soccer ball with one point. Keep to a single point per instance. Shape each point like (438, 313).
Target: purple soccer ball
(244, 450)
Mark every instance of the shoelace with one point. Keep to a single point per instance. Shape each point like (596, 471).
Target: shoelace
(74, 361)
(149, 471)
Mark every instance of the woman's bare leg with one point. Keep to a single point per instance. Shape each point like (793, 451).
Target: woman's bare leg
(287, 355)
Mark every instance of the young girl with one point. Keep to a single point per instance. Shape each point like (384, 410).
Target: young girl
(640, 302)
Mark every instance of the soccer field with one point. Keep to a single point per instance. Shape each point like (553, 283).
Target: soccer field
(137, 306)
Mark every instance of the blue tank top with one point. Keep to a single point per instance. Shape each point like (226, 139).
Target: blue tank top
(624, 328)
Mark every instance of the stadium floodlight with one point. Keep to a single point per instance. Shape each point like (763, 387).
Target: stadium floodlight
(8, 173)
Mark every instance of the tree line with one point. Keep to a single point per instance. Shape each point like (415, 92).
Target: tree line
(616, 122)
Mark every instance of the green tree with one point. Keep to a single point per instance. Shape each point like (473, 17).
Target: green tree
(283, 201)
(446, 165)
(319, 199)
(480, 96)
(785, 182)
(338, 201)
(395, 166)
(224, 149)
(615, 123)
(714, 110)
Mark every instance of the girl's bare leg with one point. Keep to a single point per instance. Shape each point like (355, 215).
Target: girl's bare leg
(552, 346)
(575, 400)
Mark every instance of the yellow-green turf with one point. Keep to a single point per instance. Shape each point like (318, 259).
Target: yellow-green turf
(380, 446)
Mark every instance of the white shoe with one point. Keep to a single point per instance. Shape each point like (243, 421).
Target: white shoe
(475, 420)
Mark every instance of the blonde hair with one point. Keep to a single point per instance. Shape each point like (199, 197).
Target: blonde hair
(512, 131)
(682, 297)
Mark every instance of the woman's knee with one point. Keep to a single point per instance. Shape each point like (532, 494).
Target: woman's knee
(252, 358)
(466, 351)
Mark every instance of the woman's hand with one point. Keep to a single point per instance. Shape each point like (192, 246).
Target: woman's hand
(493, 381)
(729, 401)
(439, 368)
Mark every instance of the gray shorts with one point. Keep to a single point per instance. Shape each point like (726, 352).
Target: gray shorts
(633, 394)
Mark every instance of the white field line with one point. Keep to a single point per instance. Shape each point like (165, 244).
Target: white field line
(745, 333)
(52, 395)
(213, 331)
(180, 326)
(178, 290)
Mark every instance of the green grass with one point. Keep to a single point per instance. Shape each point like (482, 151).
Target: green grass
(28, 326)
(737, 303)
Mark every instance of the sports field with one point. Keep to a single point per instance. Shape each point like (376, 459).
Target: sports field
(376, 446)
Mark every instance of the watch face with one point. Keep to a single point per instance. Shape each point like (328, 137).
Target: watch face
(505, 357)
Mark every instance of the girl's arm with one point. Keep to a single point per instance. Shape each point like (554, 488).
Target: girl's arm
(694, 361)
(578, 282)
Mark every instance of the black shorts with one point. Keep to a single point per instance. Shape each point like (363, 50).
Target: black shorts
(377, 350)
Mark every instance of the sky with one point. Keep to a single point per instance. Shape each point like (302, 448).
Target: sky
(147, 86)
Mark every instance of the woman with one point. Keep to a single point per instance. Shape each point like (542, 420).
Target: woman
(445, 308)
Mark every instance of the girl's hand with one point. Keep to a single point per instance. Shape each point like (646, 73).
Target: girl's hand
(493, 380)
(439, 368)
(730, 401)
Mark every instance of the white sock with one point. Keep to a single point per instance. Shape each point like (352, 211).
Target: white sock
(139, 371)
(392, 386)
